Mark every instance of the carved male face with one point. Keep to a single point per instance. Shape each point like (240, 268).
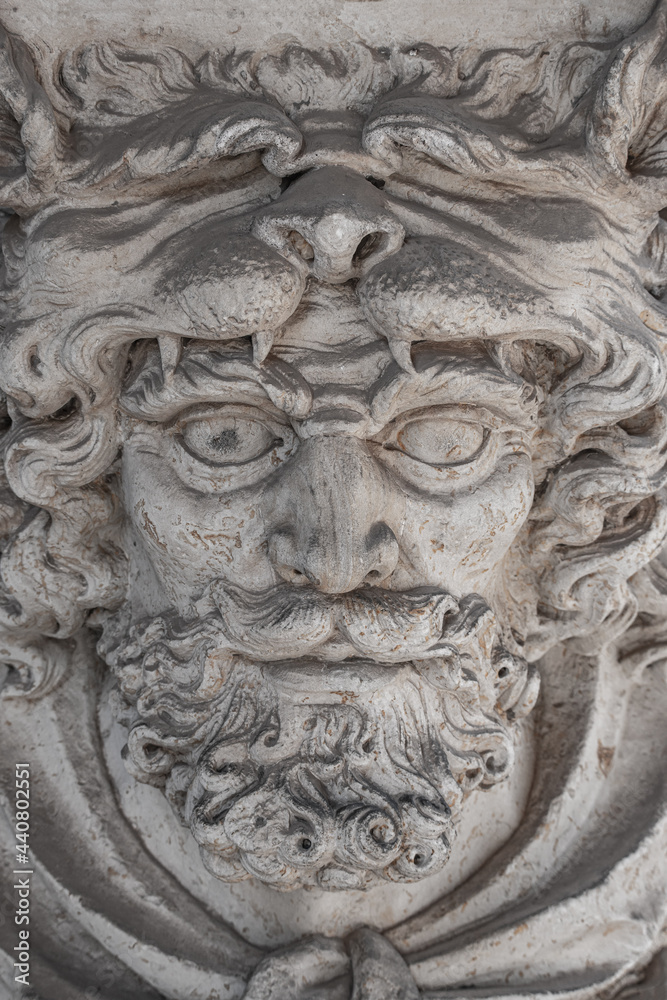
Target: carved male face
(339, 553)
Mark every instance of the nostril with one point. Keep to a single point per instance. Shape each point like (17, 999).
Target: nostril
(368, 245)
(298, 578)
(382, 549)
(301, 244)
(283, 552)
(292, 575)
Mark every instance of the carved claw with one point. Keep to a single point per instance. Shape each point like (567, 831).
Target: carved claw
(402, 354)
(170, 354)
(262, 342)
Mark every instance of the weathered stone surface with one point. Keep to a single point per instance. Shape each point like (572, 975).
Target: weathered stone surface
(332, 577)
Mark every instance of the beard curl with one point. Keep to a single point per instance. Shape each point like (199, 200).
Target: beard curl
(344, 807)
(343, 789)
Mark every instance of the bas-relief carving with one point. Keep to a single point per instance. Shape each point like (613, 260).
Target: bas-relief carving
(334, 428)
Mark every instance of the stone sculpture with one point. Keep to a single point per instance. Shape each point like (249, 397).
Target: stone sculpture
(333, 385)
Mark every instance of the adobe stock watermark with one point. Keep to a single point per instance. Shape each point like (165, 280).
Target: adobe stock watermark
(22, 873)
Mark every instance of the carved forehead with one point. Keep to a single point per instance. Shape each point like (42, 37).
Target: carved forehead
(347, 378)
(334, 347)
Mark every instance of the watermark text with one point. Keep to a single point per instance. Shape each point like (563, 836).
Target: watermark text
(22, 872)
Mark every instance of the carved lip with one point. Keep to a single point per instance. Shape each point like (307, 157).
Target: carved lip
(345, 679)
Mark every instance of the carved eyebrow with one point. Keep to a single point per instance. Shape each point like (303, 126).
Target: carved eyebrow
(211, 373)
(219, 373)
(458, 379)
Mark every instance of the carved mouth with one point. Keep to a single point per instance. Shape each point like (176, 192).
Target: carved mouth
(383, 626)
(345, 679)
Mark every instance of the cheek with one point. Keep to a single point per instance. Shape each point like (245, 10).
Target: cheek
(459, 541)
(192, 538)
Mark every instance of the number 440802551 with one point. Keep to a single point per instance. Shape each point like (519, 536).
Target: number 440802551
(22, 815)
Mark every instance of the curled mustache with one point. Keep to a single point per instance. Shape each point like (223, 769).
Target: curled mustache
(388, 626)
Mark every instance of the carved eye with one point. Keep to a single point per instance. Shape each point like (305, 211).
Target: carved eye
(440, 441)
(228, 439)
(223, 447)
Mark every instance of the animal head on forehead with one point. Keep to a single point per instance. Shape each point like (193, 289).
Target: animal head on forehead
(173, 220)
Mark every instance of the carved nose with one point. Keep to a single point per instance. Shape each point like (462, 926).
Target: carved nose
(332, 224)
(332, 530)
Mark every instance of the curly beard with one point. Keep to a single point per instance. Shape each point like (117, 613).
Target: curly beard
(300, 767)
